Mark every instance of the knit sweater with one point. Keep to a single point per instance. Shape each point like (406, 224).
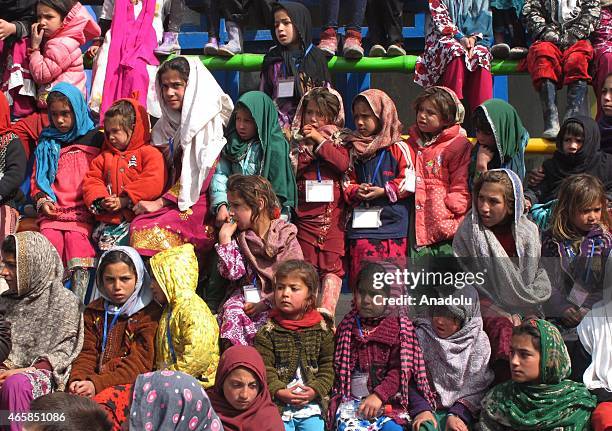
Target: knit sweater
(283, 351)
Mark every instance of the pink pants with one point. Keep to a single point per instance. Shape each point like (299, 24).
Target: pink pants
(70, 245)
(475, 87)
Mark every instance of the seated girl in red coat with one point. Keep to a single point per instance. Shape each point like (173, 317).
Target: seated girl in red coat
(127, 171)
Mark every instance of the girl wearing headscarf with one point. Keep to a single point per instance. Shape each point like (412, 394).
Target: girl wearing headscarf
(605, 115)
(120, 328)
(190, 133)
(171, 400)
(601, 39)
(241, 368)
(377, 177)
(294, 65)
(497, 240)
(46, 322)
(501, 139)
(441, 154)
(539, 396)
(13, 163)
(456, 55)
(61, 160)
(457, 353)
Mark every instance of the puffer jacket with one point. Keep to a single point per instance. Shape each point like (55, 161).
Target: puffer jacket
(442, 196)
(186, 320)
(544, 17)
(60, 58)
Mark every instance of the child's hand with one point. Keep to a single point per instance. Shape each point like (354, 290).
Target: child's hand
(112, 204)
(364, 189)
(571, 317)
(527, 205)
(374, 193)
(222, 215)
(37, 36)
(468, 43)
(253, 309)
(145, 207)
(285, 396)
(535, 176)
(484, 156)
(310, 132)
(7, 29)
(84, 388)
(370, 406)
(423, 417)
(92, 51)
(302, 395)
(454, 423)
(48, 209)
(228, 229)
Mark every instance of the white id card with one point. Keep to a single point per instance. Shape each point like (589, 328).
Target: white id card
(578, 295)
(359, 385)
(284, 87)
(367, 218)
(410, 181)
(251, 294)
(319, 191)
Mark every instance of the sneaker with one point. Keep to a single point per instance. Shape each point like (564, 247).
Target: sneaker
(352, 45)
(518, 53)
(234, 44)
(377, 51)
(329, 42)
(500, 51)
(395, 50)
(170, 44)
(212, 47)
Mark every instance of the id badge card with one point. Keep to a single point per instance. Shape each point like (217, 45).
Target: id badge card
(319, 191)
(578, 295)
(284, 87)
(251, 294)
(410, 181)
(367, 218)
(359, 385)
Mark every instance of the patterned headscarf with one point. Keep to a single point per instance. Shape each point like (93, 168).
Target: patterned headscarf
(553, 403)
(171, 400)
(391, 127)
(46, 319)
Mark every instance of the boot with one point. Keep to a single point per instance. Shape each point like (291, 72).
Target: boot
(234, 44)
(331, 286)
(576, 94)
(212, 47)
(170, 44)
(329, 42)
(352, 45)
(548, 99)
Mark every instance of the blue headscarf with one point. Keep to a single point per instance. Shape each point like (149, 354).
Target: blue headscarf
(49, 143)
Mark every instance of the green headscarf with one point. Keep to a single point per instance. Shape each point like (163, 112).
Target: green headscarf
(555, 402)
(511, 137)
(276, 166)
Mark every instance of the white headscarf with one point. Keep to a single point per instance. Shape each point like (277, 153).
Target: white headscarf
(198, 129)
(595, 333)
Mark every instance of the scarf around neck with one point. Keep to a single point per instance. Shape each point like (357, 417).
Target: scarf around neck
(310, 319)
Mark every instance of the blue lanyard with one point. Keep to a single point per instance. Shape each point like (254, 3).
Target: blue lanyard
(372, 179)
(318, 171)
(297, 65)
(106, 329)
(171, 145)
(169, 336)
(358, 320)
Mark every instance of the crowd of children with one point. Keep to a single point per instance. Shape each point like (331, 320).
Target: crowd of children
(187, 275)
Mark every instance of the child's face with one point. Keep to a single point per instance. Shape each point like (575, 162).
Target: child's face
(291, 296)
(524, 359)
(486, 139)
(239, 211)
(8, 271)
(245, 124)
(368, 301)
(587, 218)
(444, 324)
(366, 121)
(491, 204)
(158, 294)
(61, 116)
(284, 29)
(606, 97)
(116, 134)
(119, 282)
(313, 116)
(572, 144)
(173, 89)
(240, 388)
(429, 118)
(49, 19)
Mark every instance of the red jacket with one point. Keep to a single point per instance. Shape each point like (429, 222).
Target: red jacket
(138, 173)
(442, 195)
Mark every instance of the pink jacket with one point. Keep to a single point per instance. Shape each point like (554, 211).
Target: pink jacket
(60, 58)
(442, 195)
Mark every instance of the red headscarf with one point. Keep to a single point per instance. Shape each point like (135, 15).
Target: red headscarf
(5, 115)
(262, 415)
(141, 134)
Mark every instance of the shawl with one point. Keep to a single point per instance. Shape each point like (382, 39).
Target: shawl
(309, 319)
(263, 255)
(471, 16)
(605, 131)
(458, 365)
(171, 400)
(276, 166)
(308, 64)
(263, 414)
(514, 288)
(589, 159)
(197, 129)
(51, 140)
(391, 127)
(555, 403)
(510, 136)
(595, 333)
(133, 41)
(142, 295)
(46, 318)
(5, 115)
